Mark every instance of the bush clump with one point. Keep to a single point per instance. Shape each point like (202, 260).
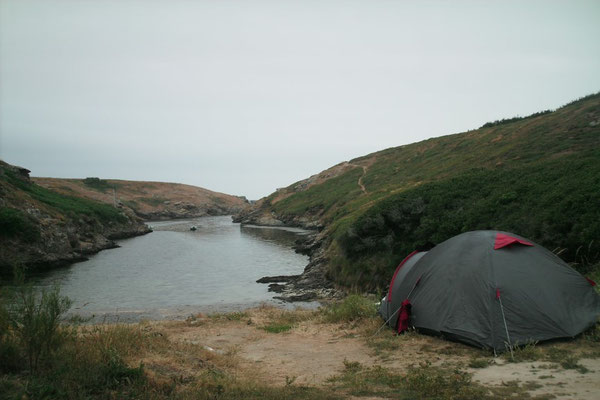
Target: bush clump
(96, 183)
(15, 223)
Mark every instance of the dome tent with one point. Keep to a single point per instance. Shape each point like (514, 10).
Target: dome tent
(492, 289)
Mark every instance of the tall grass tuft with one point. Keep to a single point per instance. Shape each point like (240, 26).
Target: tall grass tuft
(34, 318)
(352, 308)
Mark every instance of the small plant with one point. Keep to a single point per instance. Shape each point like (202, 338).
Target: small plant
(352, 366)
(290, 380)
(35, 319)
(572, 362)
(528, 352)
(566, 359)
(277, 328)
(480, 363)
(593, 334)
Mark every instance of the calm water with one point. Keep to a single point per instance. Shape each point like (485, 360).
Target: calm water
(173, 270)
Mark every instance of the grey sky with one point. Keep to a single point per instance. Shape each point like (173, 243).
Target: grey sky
(243, 96)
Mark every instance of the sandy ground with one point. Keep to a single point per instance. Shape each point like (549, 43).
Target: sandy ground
(562, 383)
(311, 352)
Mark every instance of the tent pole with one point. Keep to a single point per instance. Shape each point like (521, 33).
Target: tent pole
(392, 316)
(512, 356)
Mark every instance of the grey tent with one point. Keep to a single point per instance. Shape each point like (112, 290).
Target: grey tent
(491, 289)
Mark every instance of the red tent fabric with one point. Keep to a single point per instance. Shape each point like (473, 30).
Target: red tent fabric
(503, 240)
(389, 295)
(404, 316)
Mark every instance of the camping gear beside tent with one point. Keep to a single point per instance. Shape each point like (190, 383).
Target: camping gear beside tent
(491, 289)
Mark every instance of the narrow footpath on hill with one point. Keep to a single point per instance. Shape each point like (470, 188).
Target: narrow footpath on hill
(360, 179)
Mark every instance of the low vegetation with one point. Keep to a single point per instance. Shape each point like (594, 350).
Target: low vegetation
(423, 381)
(514, 119)
(535, 176)
(143, 361)
(431, 213)
(560, 354)
(69, 205)
(98, 184)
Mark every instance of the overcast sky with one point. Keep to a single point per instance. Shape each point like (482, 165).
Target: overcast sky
(244, 96)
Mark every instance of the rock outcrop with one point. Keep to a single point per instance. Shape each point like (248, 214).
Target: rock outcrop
(312, 283)
(261, 214)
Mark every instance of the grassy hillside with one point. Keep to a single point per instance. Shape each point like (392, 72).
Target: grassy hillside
(537, 176)
(53, 202)
(150, 200)
(40, 228)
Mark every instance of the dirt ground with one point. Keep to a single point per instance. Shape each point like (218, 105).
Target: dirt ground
(311, 352)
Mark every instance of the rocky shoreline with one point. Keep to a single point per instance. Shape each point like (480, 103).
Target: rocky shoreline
(312, 284)
(73, 244)
(183, 210)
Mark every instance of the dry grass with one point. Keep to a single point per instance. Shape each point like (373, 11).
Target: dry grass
(208, 357)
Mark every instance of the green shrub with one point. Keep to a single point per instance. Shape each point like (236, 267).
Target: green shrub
(35, 319)
(15, 223)
(99, 184)
(528, 352)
